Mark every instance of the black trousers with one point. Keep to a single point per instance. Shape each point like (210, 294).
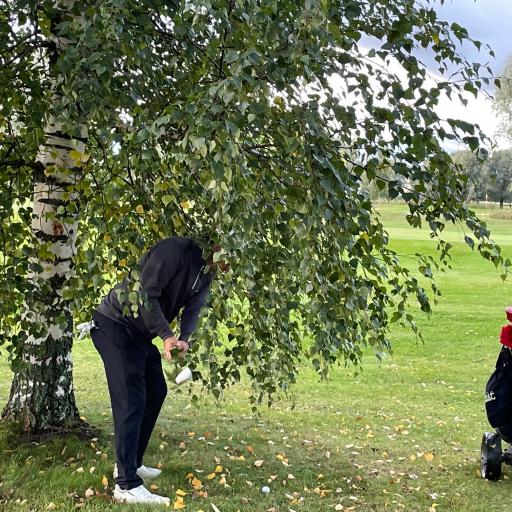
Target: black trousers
(137, 388)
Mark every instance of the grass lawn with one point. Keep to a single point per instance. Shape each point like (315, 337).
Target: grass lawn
(402, 435)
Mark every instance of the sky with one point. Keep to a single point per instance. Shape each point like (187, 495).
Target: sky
(489, 21)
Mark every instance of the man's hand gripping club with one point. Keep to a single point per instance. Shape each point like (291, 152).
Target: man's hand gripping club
(174, 347)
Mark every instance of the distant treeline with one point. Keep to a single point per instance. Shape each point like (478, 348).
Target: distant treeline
(488, 179)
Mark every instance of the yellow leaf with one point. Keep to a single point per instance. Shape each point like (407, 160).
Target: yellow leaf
(182, 445)
(78, 157)
(189, 476)
(104, 481)
(139, 209)
(258, 463)
(218, 469)
(92, 469)
(179, 503)
(211, 476)
(123, 262)
(412, 457)
(196, 484)
(185, 205)
(429, 457)
(181, 493)
(153, 487)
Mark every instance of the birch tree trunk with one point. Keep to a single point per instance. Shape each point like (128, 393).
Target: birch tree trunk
(42, 395)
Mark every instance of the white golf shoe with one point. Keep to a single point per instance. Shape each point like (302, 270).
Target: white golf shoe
(139, 495)
(144, 472)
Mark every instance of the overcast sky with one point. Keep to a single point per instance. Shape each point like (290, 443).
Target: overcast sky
(489, 21)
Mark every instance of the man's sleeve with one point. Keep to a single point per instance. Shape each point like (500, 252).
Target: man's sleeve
(161, 265)
(190, 314)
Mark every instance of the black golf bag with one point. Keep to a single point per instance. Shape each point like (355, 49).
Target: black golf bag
(498, 406)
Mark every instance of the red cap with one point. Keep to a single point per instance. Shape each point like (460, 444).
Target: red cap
(508, 311)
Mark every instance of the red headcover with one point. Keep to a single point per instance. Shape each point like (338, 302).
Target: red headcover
(509, 313)
(506, 335)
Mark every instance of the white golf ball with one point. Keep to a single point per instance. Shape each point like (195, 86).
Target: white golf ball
(265, 489)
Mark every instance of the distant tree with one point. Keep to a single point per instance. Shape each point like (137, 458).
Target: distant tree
(500, 171)
(476, 171)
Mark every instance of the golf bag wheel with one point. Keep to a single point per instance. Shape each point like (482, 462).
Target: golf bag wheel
(491, 456)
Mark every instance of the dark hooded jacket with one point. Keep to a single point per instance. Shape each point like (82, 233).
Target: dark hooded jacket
(174, 276)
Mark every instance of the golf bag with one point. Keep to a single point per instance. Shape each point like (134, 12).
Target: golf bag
(498, 394)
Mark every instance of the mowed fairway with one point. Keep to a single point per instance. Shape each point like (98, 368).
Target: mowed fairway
(402, 435)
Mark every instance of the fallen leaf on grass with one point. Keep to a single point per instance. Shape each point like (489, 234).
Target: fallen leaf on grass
(196, 484)
(429, 457)
(180, 493)
(282, 458)
(218, 469)
(179, 503)
(89, 492)
(211, 476)
(153, 487)
(258, 463)
(104, 481)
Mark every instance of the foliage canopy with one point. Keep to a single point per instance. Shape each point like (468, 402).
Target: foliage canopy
(223, 119)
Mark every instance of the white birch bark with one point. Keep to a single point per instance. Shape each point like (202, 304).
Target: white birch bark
(42, 395)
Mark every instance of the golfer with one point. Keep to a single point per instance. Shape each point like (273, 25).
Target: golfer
(174, 277)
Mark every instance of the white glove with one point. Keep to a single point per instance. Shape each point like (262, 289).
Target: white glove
(85, 328)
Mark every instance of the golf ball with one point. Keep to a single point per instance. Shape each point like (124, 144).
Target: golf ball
(265, 489)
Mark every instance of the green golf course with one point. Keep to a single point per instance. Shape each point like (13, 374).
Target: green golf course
(403, 434)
